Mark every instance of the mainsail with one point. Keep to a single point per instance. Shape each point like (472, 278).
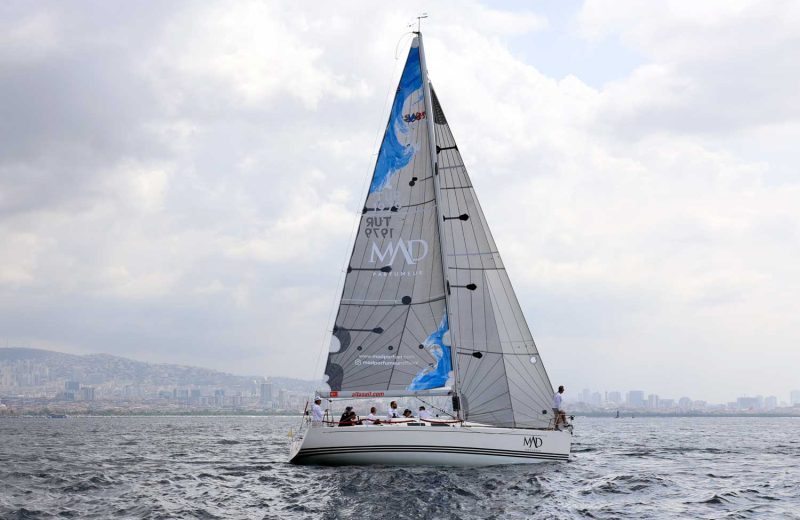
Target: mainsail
(391, 326)
(416, 309)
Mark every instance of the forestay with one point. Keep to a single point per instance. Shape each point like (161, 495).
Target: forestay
(391, 325)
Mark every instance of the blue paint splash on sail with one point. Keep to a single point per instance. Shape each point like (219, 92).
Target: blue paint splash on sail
(393, 154)
(436, 376)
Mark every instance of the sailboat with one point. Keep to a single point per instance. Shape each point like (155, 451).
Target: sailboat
(427, 311)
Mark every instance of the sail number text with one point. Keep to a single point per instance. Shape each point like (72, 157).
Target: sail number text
(410, 118)
(378, 227)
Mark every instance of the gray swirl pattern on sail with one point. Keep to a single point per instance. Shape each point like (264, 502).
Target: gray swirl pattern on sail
(391, 326)
(501, 379)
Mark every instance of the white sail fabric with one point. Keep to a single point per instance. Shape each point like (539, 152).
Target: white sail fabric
(501, 380)
(391, 327)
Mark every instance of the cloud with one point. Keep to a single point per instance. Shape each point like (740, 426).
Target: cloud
(179, 183)
(719, 67)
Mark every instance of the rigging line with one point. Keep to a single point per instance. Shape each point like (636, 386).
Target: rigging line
(435, 407)
(356, 225)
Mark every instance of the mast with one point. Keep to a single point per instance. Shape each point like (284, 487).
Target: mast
(426, 88)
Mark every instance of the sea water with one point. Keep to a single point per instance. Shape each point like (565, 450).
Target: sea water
(236, 467)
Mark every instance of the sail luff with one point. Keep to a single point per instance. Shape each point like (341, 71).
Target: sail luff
(439, 220)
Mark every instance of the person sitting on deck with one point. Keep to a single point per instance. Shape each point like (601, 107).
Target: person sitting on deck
(424, 415)
(392, 413)
(407, 413)
(372, 418)
(344, 420)
(354, 420)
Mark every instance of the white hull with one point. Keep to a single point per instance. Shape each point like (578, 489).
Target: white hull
(428, 445)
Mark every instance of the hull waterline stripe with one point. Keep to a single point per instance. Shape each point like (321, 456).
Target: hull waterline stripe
(311, 452)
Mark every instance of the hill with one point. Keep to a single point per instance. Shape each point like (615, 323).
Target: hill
(98, 369)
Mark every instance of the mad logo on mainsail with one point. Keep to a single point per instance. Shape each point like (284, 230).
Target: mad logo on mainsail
(412, 250)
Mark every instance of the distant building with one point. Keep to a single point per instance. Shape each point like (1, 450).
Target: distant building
(87, 393)
(283, 400)
(130, 391)
(265, 397)
(614, 397)
(194, 395)
(72, 386)
(684, 403)
(771, 402)
(219, 397)
(666, 404)
(749, 403)
(794, 397)
(586, 396)
(652, 401)
(636, 398)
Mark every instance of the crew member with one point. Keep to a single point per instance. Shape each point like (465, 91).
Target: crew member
(392, 413)
(558, 408)
(317, 414)
(424, 415)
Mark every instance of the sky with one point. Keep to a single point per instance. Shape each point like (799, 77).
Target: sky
(179, 181)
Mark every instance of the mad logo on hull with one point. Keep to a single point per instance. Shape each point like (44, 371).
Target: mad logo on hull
(532, 442)
(412, 250)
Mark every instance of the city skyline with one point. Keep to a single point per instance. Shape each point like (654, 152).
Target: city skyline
(37, 376)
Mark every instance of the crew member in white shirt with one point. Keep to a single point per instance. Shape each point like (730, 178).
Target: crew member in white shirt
(558, 408)
(317, 413)
(392, 413)
(372, 418)
(424, 415)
